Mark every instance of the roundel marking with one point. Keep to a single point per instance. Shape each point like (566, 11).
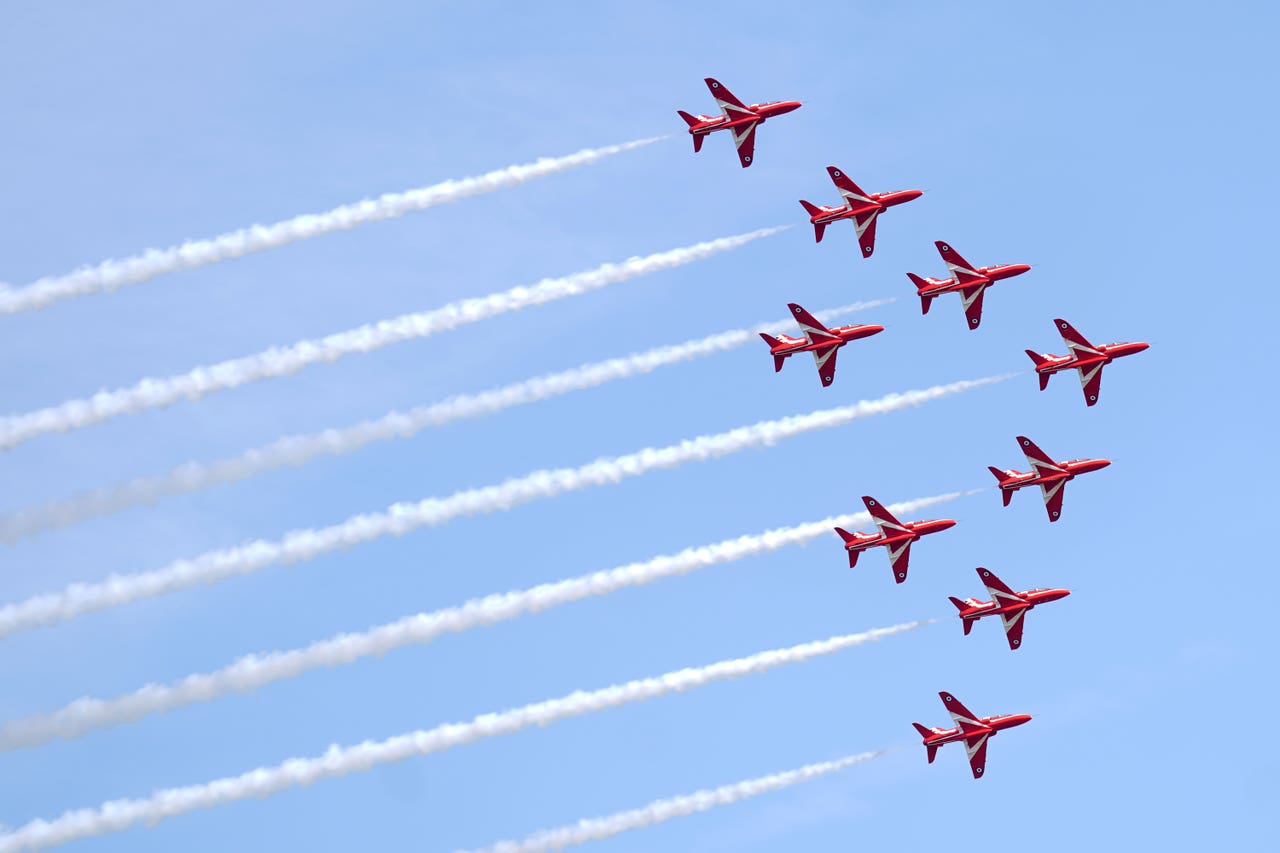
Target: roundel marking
(747, 159)
(1025, 443)
(826, 379)
(866, 249)
(715, 85)
(1062, 326)
(1015, 642)
(797, 310)
(978, 770)
(1055, 513)
(871, 503)
(1093, 397)
(946, 697)
(974, 321)
(902, 575)
(986, 574)
(835, 172)
(946, 248)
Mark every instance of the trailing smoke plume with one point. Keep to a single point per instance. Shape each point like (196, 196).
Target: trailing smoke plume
(118, 815)
(296, 450)
(301, 545)
(113, 274)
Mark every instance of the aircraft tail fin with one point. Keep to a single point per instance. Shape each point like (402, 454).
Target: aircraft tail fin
(690, 120)
(845, 535)
(778, 359)
(813, 210)
(960, 605)
(1001, 476)
(930, 748)
(921, 284)
(924, 732)
(1038, 360)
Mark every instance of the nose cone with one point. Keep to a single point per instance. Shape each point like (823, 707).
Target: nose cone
(784, 107)
(902, 197)
(859, 332)
(1014, 720)
(1130, 349)
(1053, 594)
(1015, 269)
(940, 524)
(1096, 464)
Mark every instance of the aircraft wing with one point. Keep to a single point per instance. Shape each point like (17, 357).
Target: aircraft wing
(899, 557)
(996, 588)
(745, 138)
(814, 331)
(1091, 382)
(854, 196)
(971, 297)
(1038, 460)
(1013, 627)
(727, 102)
(866, 225)
(976, 746)
(1075, 341)
(826, 360)
(1053, 498)
(962, 716)
(961, 270)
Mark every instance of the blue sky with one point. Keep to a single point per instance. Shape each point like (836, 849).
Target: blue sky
(1124, 151)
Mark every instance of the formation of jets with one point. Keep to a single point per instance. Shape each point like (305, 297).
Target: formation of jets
(971, 282)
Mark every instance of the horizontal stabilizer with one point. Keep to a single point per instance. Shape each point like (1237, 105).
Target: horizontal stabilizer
(960, 605)
(690, 120)
(924, 732)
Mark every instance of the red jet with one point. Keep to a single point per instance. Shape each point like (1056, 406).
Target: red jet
(894, 535)
(1085, 357)
(973, 730)
(1010, 606)
(818, 339)
(736, 117)
(1050, 476)
(966, 279)
(862, 207)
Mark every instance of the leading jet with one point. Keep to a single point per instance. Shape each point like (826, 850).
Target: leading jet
(1049, 475)
(736, 117)
(1085, 357)
(818, 339)
(860, 206)
(894, 535)
(969, 281)
(1010, 606)
(973, 730)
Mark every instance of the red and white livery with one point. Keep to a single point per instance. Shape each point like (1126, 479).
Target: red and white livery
(971, 730)
(895, 536)
(1049, 475)
(818, 339)
(736, 117)
(1085, 357)
(1010, 606)
(970, 281)
(859, 205)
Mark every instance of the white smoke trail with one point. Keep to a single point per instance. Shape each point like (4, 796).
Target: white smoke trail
(259, 670)
(300, 545)
(117, 815)
(113, 274)
(295, 450)
(154, 393)
(660, 811)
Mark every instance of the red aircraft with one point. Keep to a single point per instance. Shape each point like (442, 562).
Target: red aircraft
(973, 730)
(966, 279)
(894, 535)
(1050, 476)
(818, 339)
(1085, 357)
(736, 117)
(862, 207)
(1010, 606)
